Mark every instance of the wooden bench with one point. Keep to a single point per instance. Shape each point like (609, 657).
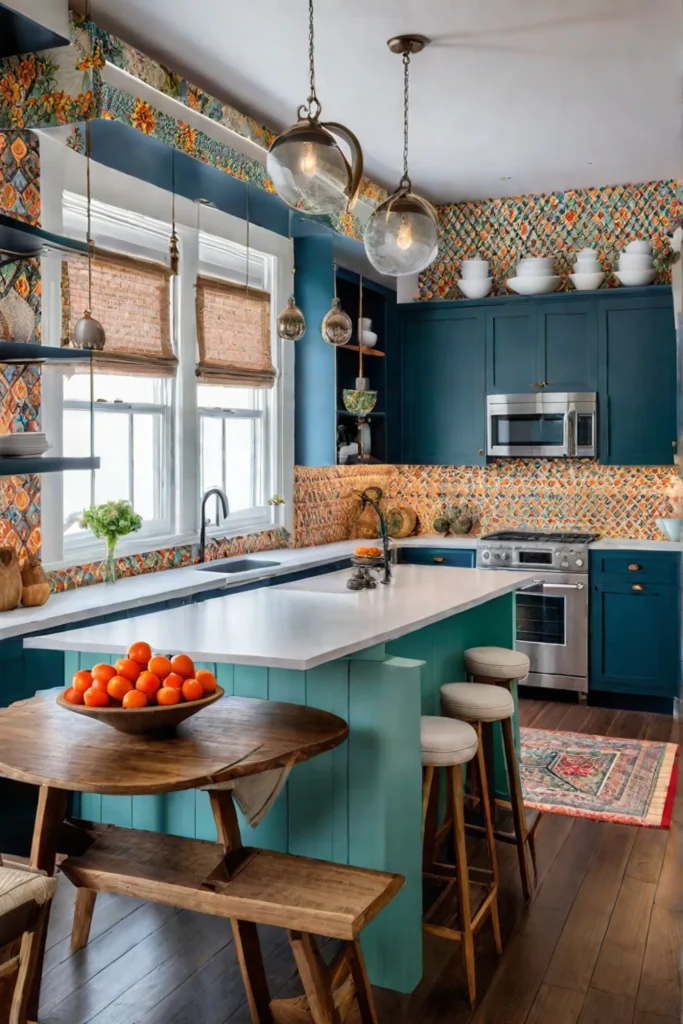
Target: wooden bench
(248, 887)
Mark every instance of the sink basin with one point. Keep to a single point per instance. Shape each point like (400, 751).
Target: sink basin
(240, 565)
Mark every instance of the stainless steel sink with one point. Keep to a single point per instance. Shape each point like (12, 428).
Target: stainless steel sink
(240, 565)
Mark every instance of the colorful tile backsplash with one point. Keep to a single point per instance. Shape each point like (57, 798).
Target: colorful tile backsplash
(549, 494)
(557, 224)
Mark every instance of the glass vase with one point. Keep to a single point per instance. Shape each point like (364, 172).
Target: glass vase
(109, 565)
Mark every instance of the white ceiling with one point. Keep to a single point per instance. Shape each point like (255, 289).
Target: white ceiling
(530, 96)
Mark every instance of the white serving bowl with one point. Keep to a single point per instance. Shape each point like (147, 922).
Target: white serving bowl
(366, 323)
(635, 261)
(640, 245)
(587, 267)
(587, 282)
(535, 268)
(635, 278)
(533, 284)
(475, 287)
(369, 339)
(478, 269)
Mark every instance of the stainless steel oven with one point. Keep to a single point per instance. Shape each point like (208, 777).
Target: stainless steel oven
(544, 425)
(552, 609)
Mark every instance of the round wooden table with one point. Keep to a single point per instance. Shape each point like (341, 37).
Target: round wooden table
(43, 744)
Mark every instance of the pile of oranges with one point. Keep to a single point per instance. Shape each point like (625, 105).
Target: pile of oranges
(140, 679)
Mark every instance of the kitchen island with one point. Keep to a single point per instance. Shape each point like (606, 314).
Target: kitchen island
(377, 659)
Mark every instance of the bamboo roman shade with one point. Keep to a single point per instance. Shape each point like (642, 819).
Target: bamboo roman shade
(131, 298)
(234, 334)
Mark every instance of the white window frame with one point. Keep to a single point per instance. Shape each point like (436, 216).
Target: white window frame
(62, 169)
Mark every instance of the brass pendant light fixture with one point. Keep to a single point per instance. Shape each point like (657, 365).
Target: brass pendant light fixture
(337, 326)
(308, 168)
(402, 235)
(174, 251)
(89, 332)
(291, 323)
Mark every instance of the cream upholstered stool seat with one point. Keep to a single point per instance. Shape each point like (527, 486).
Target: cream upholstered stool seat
(497, 663)
(449, 743)
(482, 704)
(25, 899)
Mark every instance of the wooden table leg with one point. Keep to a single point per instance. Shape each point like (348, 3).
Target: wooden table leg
(245, 934)
(50, 814)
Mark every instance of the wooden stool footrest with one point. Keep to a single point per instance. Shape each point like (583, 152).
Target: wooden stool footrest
(297, 893)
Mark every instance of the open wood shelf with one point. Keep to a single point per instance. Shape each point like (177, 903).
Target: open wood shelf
(366, 351)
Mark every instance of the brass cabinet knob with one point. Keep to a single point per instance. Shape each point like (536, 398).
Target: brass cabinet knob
(638, 586)
(634, 567)
(439, 559)
(480, 452)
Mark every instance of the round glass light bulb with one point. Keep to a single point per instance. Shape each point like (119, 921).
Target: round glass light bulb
(291, 324)
(309, 171)
(401, 237)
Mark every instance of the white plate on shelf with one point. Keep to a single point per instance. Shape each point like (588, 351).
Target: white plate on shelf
(534, 284)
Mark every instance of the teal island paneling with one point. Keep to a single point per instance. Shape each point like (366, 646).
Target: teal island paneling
(361, 803)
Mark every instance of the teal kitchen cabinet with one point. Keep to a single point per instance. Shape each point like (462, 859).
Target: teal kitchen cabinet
(635, 624)
(637, 341)
(443, 387)
(512, 363)
(567, 338)
(461, 558)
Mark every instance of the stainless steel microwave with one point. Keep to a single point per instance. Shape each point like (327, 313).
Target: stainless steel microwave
(544, 425)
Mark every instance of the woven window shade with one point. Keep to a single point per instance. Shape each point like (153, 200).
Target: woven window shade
(233, 332)
(131, 298)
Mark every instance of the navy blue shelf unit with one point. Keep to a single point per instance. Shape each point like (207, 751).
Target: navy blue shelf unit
(19, 34)
(45, 464)
(19, 354)
(26, 241)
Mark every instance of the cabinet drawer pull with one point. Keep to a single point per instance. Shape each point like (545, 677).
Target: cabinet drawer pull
(480, 452)
(439, 559)
(634, 567)
(638, 586)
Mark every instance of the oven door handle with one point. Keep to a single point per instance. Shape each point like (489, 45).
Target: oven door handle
(552, 586)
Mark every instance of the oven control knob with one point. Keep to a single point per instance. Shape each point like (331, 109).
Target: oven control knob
(579, 562)
(564, 565)
(497, 555)
(486, 555)
(506, 556)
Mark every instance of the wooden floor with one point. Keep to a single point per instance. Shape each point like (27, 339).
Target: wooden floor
(599, 944)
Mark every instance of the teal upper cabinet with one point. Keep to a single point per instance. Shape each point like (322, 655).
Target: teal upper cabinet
(568, 345)
(637, 380)
(512, 350)
(443, 387)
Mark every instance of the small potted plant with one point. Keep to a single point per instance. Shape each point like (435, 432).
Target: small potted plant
(108, 522)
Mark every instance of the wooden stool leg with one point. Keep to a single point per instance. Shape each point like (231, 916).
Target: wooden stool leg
(462, 879)
(85, 906)
(429, 818)
(490, 839)
(315, 979)
(30, 968)
(366, 1004)
(517, 801)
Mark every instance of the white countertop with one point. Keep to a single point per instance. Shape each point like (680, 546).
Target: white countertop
(298, 625)
(153, 588)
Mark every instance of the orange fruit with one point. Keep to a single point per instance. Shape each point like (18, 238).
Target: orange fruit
(135, 699)
(160, 666)
(140, 652)
(168, 695)
(192, 690)
(73, 695)
(103, 672)
(183, 665)
(207, 679)
(101, 684)
(95, 698)
(148, 684)
(82, 680)
(128, 668)
(174, 680)
(118, 687)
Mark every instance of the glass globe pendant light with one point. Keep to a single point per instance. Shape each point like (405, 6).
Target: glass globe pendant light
(402, 235)
(309, 170)
(291, 323)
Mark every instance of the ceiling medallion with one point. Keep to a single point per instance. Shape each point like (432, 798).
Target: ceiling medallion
(402, 235)
(309, 170)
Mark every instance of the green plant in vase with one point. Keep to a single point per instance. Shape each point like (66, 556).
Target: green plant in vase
(108, 522)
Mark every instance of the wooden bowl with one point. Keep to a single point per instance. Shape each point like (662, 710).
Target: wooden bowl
(154, 718)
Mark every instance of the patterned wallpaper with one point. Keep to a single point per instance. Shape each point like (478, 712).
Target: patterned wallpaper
(615, 501)
(557, 224)
(20, 310)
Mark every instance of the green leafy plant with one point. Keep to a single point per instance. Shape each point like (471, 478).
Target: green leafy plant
(109, 522)
(276, 500)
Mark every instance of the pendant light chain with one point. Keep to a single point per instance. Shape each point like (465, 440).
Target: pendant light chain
(246, 290)
(312, 98)
(405, 180)
(88, 201)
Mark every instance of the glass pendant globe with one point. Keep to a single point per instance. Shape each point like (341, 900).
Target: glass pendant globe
(402, 236)
(309, 170)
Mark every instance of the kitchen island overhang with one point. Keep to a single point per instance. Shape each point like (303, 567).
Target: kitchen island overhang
(375, 658)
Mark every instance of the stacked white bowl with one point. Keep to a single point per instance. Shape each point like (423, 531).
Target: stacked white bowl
(368, 336)
(588, 273)
(535, 275)
(475, 282)
(635, 264)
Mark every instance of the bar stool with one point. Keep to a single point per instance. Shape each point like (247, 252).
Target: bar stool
(482, 704)
(447, 743)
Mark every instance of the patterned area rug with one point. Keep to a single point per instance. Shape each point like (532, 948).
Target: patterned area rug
(628, 781)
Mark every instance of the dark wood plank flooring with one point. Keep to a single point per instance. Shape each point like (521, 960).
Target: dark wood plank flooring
(600, 942)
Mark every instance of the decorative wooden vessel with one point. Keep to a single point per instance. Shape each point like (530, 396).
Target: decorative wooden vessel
(10, 580)
(137, 721)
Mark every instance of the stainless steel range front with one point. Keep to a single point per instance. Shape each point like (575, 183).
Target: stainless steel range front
(552, 611)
